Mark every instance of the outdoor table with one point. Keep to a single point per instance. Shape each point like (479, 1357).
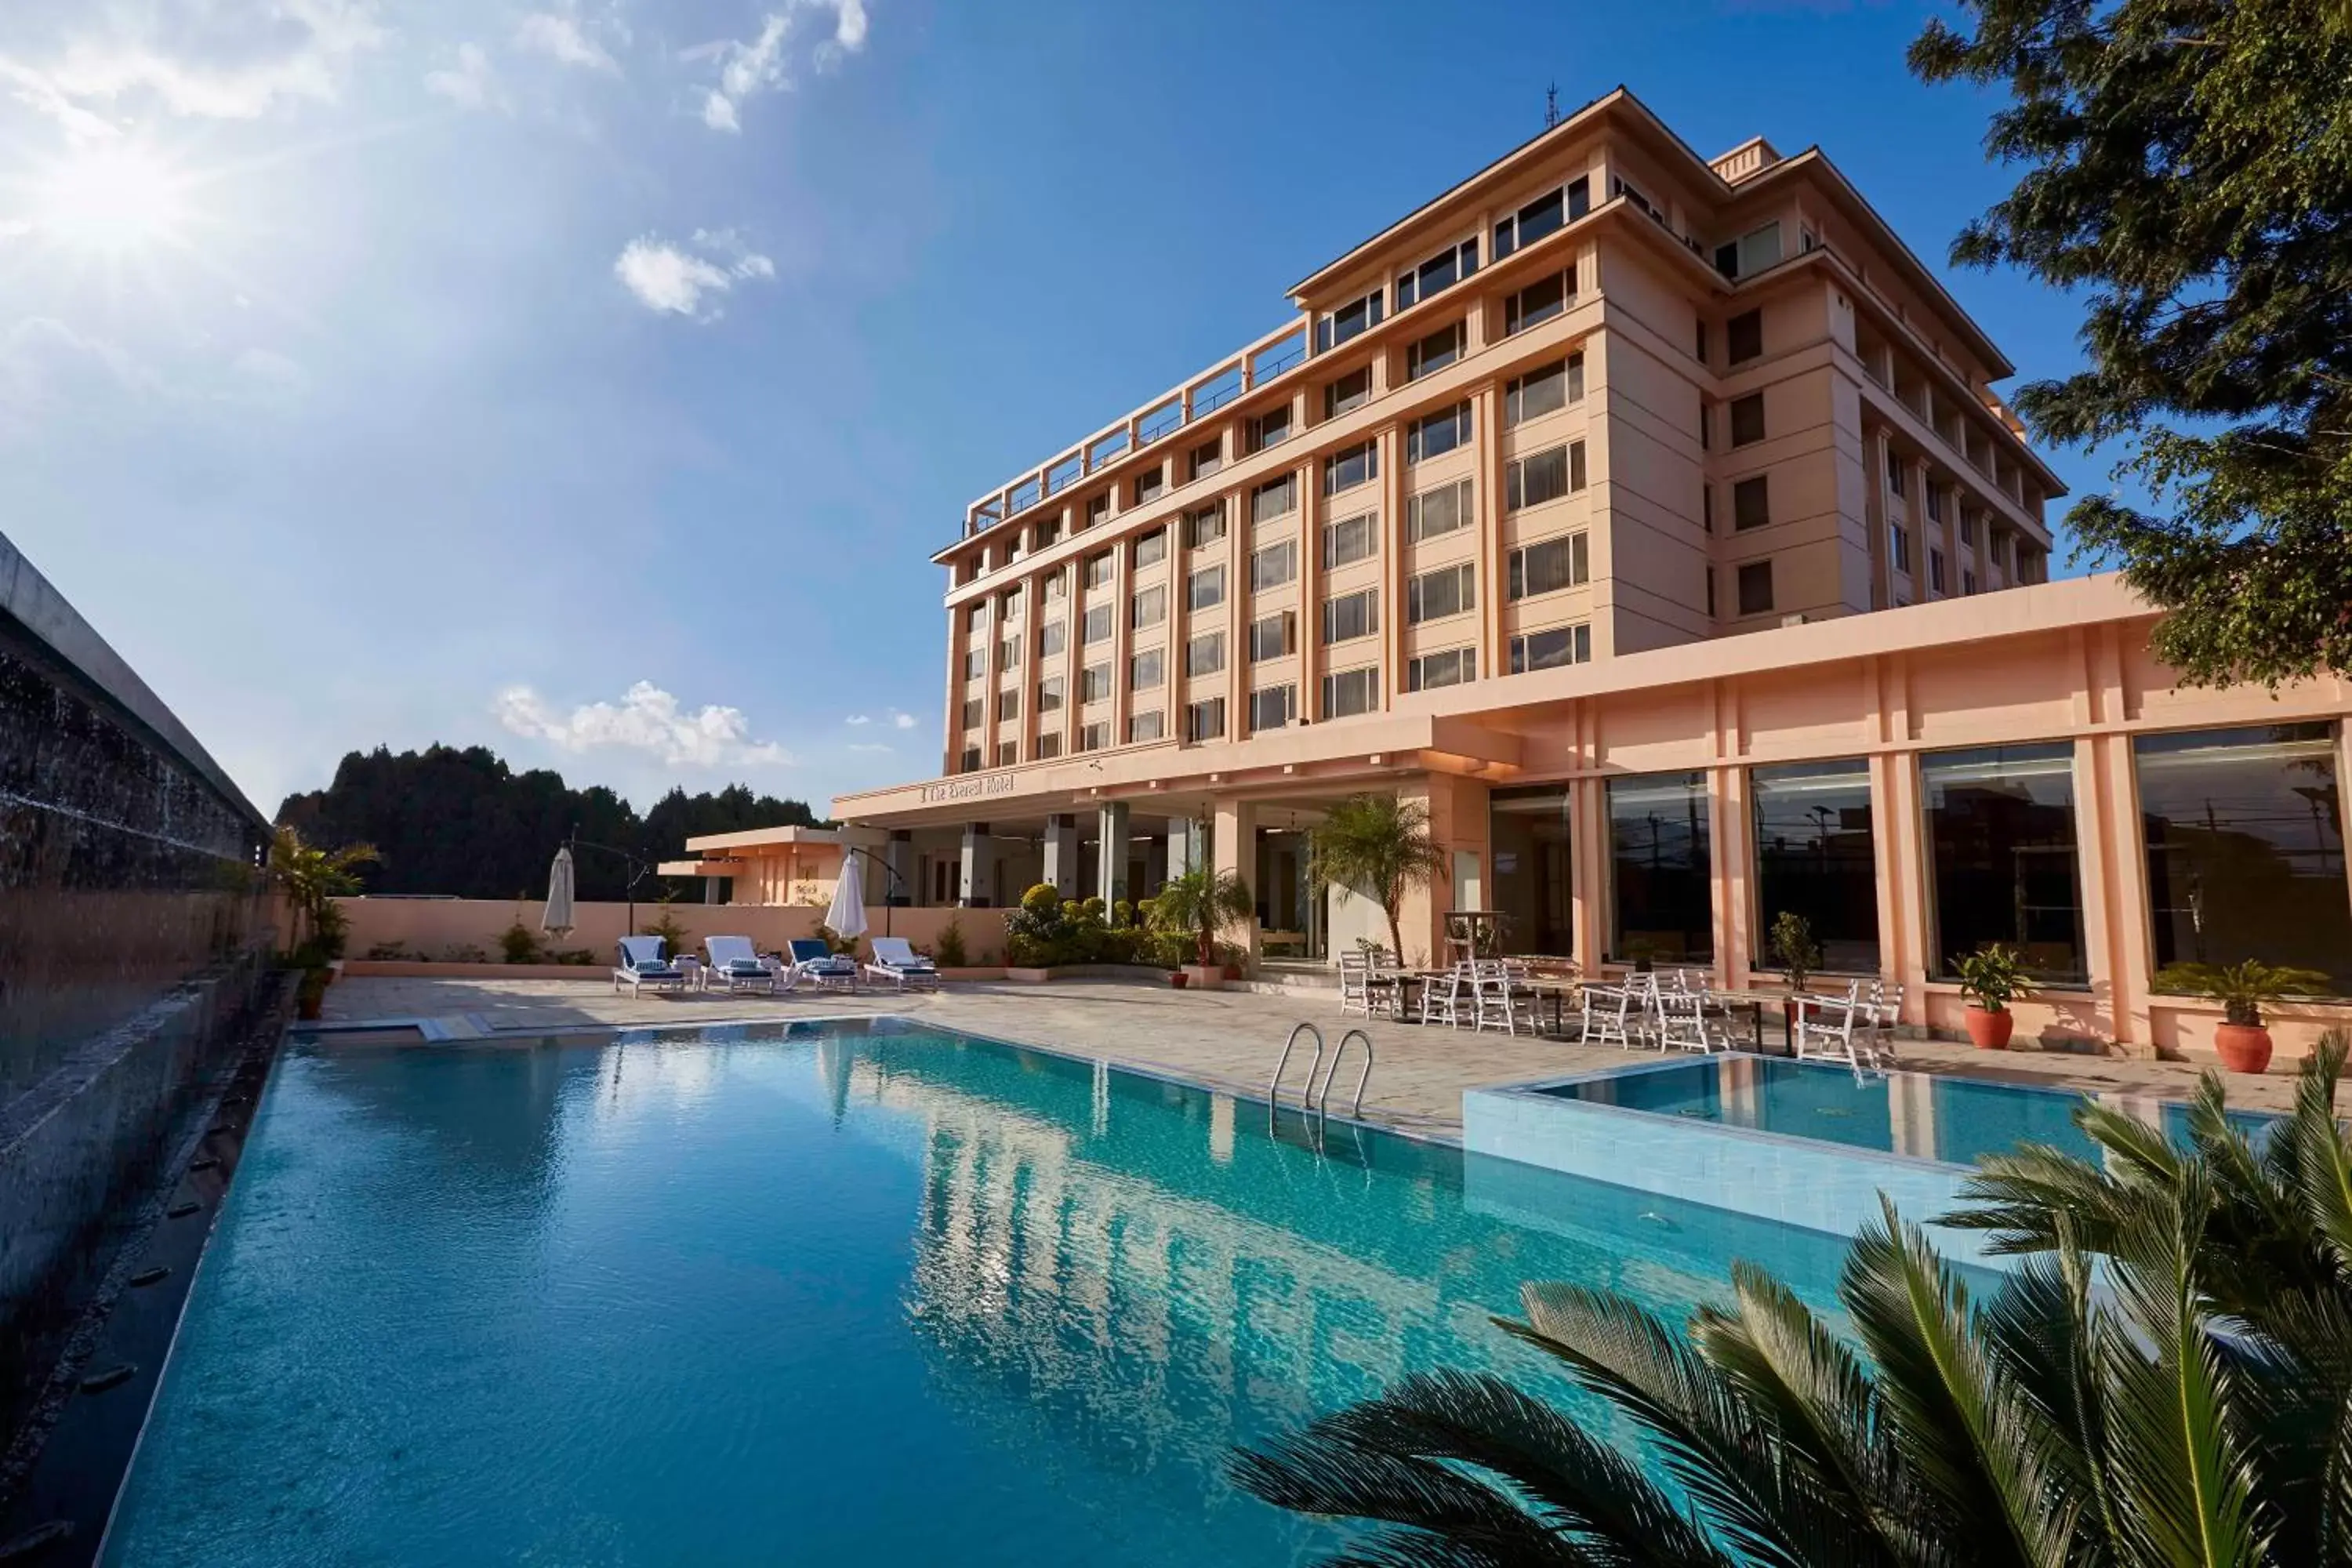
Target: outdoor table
(1559, 988)
(1755, 1003)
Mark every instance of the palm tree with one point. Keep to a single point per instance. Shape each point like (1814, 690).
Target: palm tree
(1202, 902)
(1379, 846)
(311, 877)
(2196, 1408)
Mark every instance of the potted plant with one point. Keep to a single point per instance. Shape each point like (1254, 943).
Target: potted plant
(1991, 976)
(2243, 989)
(1196, 904)
(1792, 942)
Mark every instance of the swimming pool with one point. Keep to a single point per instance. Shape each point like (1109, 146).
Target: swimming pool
(831, 1293)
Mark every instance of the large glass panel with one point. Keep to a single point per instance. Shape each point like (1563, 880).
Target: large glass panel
(1813, 856)
(1658, 841)
(2001, 831)
(2246, 847)
(1529, 831)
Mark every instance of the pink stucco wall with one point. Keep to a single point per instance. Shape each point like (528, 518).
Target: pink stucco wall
(431, 927)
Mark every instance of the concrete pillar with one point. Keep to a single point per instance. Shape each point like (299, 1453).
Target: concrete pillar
(1062, 853)
(1110, 853)
(714, 889)
(898, 854)
(1187, 845)
(973, 892)
(1233, 843)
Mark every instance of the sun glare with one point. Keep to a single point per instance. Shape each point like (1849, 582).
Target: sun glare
(113, 198)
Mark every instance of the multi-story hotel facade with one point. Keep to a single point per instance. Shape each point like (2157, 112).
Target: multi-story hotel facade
(1652, 518)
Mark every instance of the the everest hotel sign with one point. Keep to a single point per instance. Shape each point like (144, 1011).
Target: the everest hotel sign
(967, 788)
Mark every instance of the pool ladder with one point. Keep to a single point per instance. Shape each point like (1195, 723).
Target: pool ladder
(1315, 1100)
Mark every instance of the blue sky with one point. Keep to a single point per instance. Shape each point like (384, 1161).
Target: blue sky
(592, 380)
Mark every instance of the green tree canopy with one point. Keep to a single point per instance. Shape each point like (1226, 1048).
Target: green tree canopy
(2189, 172)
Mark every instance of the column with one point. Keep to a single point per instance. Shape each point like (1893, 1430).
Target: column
(1062, 853)
(711, 887)
(1233, 841)
(1187, 846)
(973, 892)
(1240, 606)
(898, 854)
(1310, 592)
(1111, 852)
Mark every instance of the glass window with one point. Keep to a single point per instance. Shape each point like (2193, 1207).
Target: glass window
(2246, 847)
(1751, 503)
(1451, 668)
(1149, 607)
(1437, 433)
(1206, 588)
(1814, 857)
(1275, 636)
(1098, 626)
(1049, 694)
(1272, 707)
(1436, 512)
(1748, 419)
(1008, 704)
(1440, 272)
(1349, 391)
(1351, 615)
(1051, 638)
(1148, 486)
(1744, 336)
(1094, 737)
(2001, 831)
(1208, 459)
(1204, 525)
(971, 714)
(1528, 832)
(1349, 539)
(1543, 390)
(1543, 476)
(1269, 428)
(1152, 548)
(1146, 726)
(1548, 567)
(1435, 351)
(1538, 302)
(1349, 321)
(1098, 570)
(1351, 692)
(1275, 497)
(1547, 649)
(1205, 654)
(1273, 565)
(1448, 591)
(1143, 670)
(1093, 683)
(1007, 752)
(1048, 745)
(1756, 588)
(975, 663)
(1350, 467)
(970, 759)
(1205, 720)
(1664, 896)
(1008, 653)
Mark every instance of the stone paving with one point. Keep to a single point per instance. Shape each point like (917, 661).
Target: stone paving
(1223, 1039)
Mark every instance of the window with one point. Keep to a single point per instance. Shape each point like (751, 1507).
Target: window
(971, 762)
(1349, 539)
(1815, 858)
(1356, 317)
(1543, 390)
(1894, 471)
(1448, 591)
(1056, 588)
(1968, 525)
(1542, 215)
(1752, 253)
(1454, 667)
(1152, 548)
(975, 617)
(1663, 896)
(1437, 511)
(1205, 720)
(1146, 726)
(1543, 650)
(1273, 498)
(1097, 623)
(1351, 615)
(1435, 351)
(1204, 525)
(1207, 459)
(1350, 467)
(1148, 485)
(1967, 579)
(971, 713)
(1751, 503)
(1008, 653)
(1048, 746)
(1098, 509)
(1094, 737)
(1008, 603)
(1899, 539)
(1049, 694)
(1748, 419)
(1707, 506)
(1093, 683)
(1528, 829)
(1276, 636)
(2245, 848)
(1273, 565)
(1433, 434)
(1544, 476)
(1935, 569)
(1699, 349)
(1149, 608)
(1144, 670)
(2001, 832)
(975, 663)
(1625, 189)
(1548, 567)
(1008, 705)
(1709, 572)
(1272, 707)
(1098, 570)
(1350, 391)
(1744, 336)
(1351, 692)
(1205, 588)
(1538, 302)
(1205, 654)
(1440, 272)
(1756, 588)
(1935, 497)
(1266, 429)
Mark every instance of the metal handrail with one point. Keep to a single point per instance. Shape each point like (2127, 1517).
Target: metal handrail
(1323, 1101)
(1274, 1084)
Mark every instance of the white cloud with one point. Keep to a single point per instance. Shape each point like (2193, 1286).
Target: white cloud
(765, 63)
(859, 718)
(199, 60)
(647, 719)
(471, 83)
(560, 37)
(675, 279)
(868, 746)
(901, 720)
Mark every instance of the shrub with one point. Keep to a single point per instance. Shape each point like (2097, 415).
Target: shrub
(519, 944)
(463, 952)
(389, 952)
(951, 952)
(673, 934)
(834, 941)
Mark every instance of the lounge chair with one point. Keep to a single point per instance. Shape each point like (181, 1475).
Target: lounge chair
(900, 964)
(735, 965)
(642, 964)
(811, 960)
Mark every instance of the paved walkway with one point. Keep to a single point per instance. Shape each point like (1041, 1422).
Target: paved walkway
(1225, 1040)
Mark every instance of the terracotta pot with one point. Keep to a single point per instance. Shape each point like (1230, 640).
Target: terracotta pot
(2244, 1048)
(1177, 978)
(1990, 1030)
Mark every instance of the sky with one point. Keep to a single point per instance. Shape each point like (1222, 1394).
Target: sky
(592, 379)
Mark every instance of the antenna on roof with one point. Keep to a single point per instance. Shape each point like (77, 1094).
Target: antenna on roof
(1551, 106)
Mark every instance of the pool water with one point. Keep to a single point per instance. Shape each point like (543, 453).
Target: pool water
(1926, 1116)
(828, 1294)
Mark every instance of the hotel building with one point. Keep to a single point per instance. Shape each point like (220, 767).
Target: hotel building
(1652, 518)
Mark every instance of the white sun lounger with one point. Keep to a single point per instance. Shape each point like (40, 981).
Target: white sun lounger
(642, 964)
(736, 966)
(895, 961)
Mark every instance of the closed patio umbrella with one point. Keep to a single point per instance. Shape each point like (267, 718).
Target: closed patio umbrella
(557, 918)
(846, 915)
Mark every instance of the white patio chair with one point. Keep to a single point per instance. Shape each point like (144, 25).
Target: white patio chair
(1355, 990)
(1682, 1023)
(1504, 999)
(1885, 1004)
(1605, 1013)
(1827, 1026)
(1449, 999)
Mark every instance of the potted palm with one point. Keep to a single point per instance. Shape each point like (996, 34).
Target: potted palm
(1792, 942)
(2244, 989)
(1991, 977)
(1198, 904)
(312, 880)
(1377, 845)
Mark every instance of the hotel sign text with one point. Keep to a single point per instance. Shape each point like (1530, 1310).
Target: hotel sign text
(967, 788)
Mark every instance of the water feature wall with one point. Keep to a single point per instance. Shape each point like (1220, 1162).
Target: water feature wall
(134, 936)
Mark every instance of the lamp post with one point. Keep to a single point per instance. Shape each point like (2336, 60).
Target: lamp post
(631, 866)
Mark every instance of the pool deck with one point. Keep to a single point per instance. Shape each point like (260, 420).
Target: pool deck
(1221, 1039)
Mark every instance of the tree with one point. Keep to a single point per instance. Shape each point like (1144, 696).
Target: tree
(312, 877)
(2189, 171)
(1202, 902)
(1379, 846)
(2195, 1408)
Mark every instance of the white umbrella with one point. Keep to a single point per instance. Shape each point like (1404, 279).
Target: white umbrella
(847, 914)
(557, 918)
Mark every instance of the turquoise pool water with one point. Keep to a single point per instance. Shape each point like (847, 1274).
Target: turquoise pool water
(826, 1294)
(1924, 1115)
